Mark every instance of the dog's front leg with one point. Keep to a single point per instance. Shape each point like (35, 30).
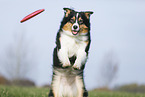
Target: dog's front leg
(63, 57)
(81, 59)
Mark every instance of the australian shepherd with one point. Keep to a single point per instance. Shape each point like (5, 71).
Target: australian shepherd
(70, 55)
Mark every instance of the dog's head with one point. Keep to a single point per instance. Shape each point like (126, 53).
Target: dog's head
(76, 23)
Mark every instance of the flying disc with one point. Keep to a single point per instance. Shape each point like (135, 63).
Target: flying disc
(31, 15)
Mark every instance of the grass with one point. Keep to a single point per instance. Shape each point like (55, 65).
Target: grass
(17, 91)
(114, 94)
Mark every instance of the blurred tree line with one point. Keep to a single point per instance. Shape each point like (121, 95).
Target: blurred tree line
(135, 88)
(17, 62)
(108, 73)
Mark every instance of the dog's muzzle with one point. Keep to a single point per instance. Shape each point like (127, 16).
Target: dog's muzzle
(75, 29)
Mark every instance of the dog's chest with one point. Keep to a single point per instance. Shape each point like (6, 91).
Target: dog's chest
(72, 44)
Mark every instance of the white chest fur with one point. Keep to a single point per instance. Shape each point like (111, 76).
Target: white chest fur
(73, 43)
(70, 46)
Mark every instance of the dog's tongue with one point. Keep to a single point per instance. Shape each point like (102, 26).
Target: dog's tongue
(74, 32)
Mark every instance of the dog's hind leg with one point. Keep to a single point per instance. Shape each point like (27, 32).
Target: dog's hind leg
(85, 94)
(82, 92)
(51, 94)
(80, 85)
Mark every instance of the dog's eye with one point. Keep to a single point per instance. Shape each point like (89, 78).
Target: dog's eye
(72, 20)
(81, 21)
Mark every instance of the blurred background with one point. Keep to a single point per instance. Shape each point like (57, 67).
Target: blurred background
(117, 52)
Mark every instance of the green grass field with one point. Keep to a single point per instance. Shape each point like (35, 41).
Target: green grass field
(15, 91)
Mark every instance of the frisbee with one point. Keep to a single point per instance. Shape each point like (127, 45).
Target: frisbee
(31, 15)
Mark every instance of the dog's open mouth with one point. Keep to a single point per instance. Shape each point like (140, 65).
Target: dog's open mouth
(74, 32)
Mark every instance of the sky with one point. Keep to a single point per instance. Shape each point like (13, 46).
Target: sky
(116, 26)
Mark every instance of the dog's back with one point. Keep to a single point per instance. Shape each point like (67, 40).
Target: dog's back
(70, 55)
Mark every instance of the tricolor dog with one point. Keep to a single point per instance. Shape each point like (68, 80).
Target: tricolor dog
(70, 55)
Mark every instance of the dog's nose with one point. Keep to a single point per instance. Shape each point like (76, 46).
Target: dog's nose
(75, 26)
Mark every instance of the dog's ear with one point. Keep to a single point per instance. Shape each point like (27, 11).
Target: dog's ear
(67, 11)
(88, 13)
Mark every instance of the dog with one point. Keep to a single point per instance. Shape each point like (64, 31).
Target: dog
(70, 55)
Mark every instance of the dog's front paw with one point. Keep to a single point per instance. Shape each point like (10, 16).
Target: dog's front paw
(76, 67)
(66, 64)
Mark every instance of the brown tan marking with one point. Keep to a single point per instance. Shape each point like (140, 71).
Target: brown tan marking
(88, 13)
(80, 19)
(60, 39)
(72, 20)
(87, 42)
(83, 28)
(67, 26)
(68, 11)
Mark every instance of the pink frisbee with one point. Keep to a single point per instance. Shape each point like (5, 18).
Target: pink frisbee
(31, 15)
